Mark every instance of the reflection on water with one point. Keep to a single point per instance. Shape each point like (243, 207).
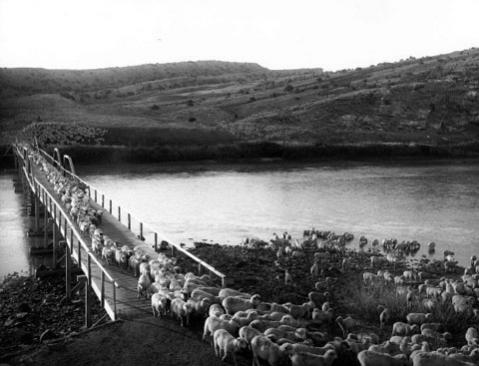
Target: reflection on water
(427, 201)
(14, 224)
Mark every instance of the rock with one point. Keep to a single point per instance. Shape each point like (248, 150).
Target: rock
(9, 322)
(21, 315)
(47, 334)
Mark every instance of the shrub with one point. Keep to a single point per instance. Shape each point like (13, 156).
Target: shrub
(155, 107)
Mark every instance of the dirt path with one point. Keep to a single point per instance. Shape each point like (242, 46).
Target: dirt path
(146, 341)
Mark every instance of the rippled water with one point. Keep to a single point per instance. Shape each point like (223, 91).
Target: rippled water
(14, 242)
(427, 201)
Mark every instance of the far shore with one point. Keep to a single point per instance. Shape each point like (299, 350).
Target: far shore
(261, 152)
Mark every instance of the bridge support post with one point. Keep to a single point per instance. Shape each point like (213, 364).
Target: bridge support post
(54, 242)
(45, 222)
(37, 214)
(68, 273)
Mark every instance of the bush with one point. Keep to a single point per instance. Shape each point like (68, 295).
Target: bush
(154, 107)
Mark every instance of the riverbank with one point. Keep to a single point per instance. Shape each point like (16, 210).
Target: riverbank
(251, 151)
(34, 310)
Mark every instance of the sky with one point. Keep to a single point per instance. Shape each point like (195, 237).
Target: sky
(278, 34)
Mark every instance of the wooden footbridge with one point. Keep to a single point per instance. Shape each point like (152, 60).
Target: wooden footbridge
(115, 288)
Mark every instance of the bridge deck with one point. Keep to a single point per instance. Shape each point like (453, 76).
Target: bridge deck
(127, 304)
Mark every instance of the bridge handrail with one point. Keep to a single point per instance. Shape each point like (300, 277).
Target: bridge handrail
(94, 192)
(72, 227)
(76, 232)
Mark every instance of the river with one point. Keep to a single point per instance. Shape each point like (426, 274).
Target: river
(426, 201)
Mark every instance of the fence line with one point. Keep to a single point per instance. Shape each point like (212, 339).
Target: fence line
(144, 232)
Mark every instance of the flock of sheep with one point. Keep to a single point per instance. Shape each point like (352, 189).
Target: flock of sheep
(306, 333)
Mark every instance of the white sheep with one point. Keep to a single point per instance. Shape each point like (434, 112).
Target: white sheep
(225, 292)
(418, 318)
(160, 305)
(310, 359)
(404, 329)
(263, 348)
(248, 333)
(216, 310)
(213, 323)
(371, 358)
(232, 304)
(144, 283)
(181, 310)
(224, 344)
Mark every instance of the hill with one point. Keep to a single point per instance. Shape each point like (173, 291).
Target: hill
(432, 101)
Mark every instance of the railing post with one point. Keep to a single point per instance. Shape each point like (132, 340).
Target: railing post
(68, 272)
(129, 221)
(79, 251)
(223, 281)
(119, 213)
(37, 213)
(114, 300)
(156, 242)
(54, 242)
(103, 201)
(95, 196)
(45, 221)
(102, 295)
(111, 207)
(141, 231)
(87, 294)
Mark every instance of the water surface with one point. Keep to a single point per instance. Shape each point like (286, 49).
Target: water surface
(427, 201)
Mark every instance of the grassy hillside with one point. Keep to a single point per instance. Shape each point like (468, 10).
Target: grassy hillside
(431, 101)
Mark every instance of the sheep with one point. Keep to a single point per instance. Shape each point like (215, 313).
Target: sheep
(388, 347)
(248, 333)
(472, 337)
(371, 358)
(297, 311)
(321, 316)
(224, 344)
(422, 358)
(144, 283)
(433, 326)
(216, 310)
(201, 307)
(181, 310)
(369, 278)
(403, 329)
(346, 324)
(212, 290)
(310, 359)
(384, 317)
(226, 292)
(462, 303)
(160, 305)
(232, 304)
(264, 349)
(191, 284)
(262, 325)
(317, 298)
(213, 323)
(245, 319)
(418, 318)
(198, 294)
(290, 348)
